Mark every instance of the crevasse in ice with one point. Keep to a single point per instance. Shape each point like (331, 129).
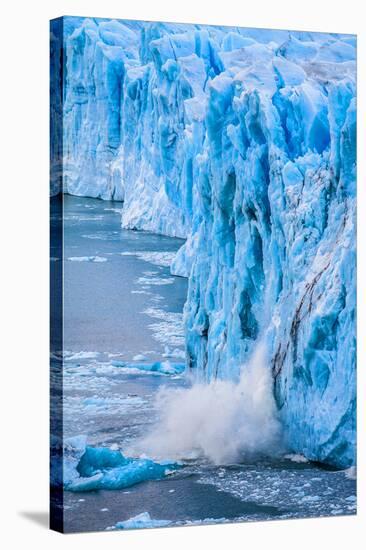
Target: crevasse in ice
(242, 141)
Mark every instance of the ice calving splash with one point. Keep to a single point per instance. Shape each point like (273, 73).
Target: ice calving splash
(222, 421)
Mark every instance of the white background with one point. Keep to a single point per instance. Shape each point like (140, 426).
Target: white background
(24, 271)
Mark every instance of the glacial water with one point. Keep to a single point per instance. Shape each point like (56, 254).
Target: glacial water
(124, 343)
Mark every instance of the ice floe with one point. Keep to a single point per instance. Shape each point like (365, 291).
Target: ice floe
(155, 281)
(168, 328)
(158, 367)
(71, 356)
(94, 468)
(95, 259)
(163, 259)
(141, 521)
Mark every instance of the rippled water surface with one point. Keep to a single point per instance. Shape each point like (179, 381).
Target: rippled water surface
(123, 307)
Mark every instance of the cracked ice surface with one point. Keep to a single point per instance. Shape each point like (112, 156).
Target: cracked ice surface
(243, 142)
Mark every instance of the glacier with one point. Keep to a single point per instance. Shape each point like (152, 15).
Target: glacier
(243, 142)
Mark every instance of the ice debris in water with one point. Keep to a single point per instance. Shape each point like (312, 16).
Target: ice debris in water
(176, 352)
(93, 468)
(155, 281)
(94, 259)
(163, 259)
(158, 367)
(115, 404)
(167, 327)
(141, 521)
(71, 356)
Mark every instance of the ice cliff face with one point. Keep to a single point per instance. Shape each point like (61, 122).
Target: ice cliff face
(244, 142)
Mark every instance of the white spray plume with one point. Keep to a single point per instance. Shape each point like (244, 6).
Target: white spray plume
(221, 421)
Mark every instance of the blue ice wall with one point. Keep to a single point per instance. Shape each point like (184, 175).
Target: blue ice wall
(244, 142)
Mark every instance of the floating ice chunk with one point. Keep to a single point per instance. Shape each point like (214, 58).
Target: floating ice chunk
(82, 355)
(110, 405)
(150, 273)
(141, 521)
(103, 236)
(158, 367)
(169, 328)
(103, 468)
(139, 357)
(118, 363)
(97, 459)
(177, 353)
(95, 259)
(116, 210)
(295, 457)
(206, 521)
(155, 281)
(163, 259)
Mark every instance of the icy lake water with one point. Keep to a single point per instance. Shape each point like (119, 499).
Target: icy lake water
(122, 307)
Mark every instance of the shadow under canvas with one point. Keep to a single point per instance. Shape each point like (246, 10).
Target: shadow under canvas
(40, 518)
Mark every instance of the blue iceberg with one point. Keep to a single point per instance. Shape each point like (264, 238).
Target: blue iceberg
(102, 468)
